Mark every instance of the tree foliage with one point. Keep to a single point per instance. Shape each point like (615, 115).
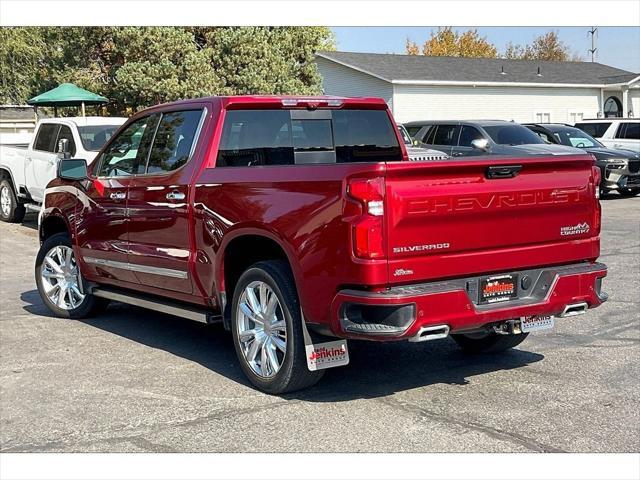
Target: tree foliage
(266, 59)
(136, 67)
(446, 42)
(411, 47)
(21, 63)
(544, 47)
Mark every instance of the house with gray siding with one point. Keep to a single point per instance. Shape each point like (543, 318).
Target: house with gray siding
(418, 87)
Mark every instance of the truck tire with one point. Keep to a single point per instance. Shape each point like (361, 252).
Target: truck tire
(629, 192)
(266, 326)
(487, 343)
(11, 210)
(58, 279)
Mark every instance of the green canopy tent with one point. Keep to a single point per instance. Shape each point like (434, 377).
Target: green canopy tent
(67, 95)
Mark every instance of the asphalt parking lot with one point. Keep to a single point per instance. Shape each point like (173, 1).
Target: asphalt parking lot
(132, 380)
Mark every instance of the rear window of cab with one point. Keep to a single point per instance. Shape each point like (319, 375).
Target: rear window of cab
(296, 137)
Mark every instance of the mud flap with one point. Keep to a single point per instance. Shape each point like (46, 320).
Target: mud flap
(324, 355)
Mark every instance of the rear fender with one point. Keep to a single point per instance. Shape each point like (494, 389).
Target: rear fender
(260, 231)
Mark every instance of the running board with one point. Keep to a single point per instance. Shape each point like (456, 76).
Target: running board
(33, 207)
(163, 306)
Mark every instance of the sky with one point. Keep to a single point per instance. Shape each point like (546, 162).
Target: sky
(617, 46)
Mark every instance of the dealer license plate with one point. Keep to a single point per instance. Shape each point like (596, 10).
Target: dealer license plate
(498, 288)
(536, 322)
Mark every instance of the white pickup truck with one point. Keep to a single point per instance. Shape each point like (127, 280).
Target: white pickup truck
(26, 171)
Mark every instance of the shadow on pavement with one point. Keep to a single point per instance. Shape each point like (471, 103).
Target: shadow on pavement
(376, 369)
(381, 369)
(34, 304)
(613, 196)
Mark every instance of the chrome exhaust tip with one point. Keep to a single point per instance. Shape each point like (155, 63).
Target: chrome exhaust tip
(434, 332)
(574, 309)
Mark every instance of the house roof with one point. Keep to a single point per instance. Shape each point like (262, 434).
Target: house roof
(419, 68)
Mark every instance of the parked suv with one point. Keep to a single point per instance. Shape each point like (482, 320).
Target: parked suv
(487, 137)
(416, 151)
(299, 223)
(623, 133)
(620, 169)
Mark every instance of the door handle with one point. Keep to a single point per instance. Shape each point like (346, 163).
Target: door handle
(175, 196)
(506, 171)
(117, 195)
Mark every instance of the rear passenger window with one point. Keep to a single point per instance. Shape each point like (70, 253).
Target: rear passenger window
(468, 135)
(271, 137)
(173, 141)
(594, 129)
(445, 135)
(47, 134)
(633, 131)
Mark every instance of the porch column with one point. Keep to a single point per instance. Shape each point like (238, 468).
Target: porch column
(601, 109)
(625, 103)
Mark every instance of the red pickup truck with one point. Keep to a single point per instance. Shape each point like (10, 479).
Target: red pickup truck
(300, 223)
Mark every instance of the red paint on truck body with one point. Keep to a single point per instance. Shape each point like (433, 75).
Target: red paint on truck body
(442, 220)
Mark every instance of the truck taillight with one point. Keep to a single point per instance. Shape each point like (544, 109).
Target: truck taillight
(368, 228)
(370, 191)
(367, 238)
(597, 178)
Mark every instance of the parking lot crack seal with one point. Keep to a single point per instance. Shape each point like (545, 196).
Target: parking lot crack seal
(492, 432)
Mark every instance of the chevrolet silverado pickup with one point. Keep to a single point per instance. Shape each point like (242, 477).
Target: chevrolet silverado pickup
(26, 170)
(299, 223)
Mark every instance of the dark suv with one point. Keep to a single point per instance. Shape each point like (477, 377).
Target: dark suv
(484, 137)
(620, 168)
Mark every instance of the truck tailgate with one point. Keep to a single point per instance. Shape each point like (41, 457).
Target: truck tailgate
(448, 219)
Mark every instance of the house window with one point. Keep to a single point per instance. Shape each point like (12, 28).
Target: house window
(575, 116)
(542, 117)
(612, 107)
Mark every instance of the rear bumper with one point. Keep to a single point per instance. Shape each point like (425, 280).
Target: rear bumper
(399, 313)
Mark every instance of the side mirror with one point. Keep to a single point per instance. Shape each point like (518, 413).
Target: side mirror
(415, 143)
(63, 148)
(72, 169)
(481, 144)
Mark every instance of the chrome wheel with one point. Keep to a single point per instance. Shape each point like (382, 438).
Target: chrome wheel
(262, 329)
(61, 278)
(5, 201)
